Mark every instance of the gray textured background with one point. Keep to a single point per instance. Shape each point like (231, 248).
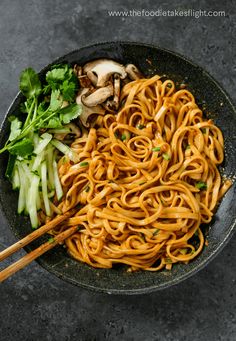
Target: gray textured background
(34, 305)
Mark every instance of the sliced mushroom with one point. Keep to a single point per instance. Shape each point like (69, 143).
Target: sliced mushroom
(133, 72)
(87, 111)
(98, 96)
(84, 80)
(103, 69)
(116, 98)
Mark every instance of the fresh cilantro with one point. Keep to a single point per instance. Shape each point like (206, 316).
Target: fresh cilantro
(83, 164)
(15, 128)
(156, 149)
(55, 75)
(166, 156)
(30, 84)
(56, 100)
(51, 240)
(53, 123)
(22, 148)
(70, 112)
(201, 185)
(183, 251)
(68, 90)
(62, 78)
(140, 126)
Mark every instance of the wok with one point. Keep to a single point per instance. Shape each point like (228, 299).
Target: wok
(210, 95)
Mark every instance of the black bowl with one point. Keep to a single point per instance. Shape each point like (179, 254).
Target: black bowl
(209, 94)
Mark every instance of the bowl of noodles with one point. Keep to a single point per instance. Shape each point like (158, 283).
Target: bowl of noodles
(153, 186)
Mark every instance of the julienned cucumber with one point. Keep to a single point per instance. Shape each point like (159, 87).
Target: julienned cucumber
(37, 178)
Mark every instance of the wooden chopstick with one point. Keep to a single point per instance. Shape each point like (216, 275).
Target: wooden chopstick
(21, 263)
(11, 269)
(35, 234)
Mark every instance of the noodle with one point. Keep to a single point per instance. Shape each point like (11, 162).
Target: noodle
(146, 181)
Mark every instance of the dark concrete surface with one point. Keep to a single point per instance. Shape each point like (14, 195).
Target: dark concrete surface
(35, 305)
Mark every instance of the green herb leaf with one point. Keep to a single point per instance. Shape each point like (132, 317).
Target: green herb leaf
(56, 100)
(123, 137)
(83, 164)
(183, 251)
(30, 84)
(156, 149)
(68, 90)
(140, 126)
(201, 185)
(51, 240)
(15, 128)
(22, 148)
(70, 112)
(56, 75)
(53, 123)
(188, 147)
(87, 189)
(155, 232)
(166, 156)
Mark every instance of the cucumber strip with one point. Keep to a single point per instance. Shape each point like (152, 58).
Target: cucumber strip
(27, 180)
(37, 161)
(49, 159)
(58, 187)
(44, 141)
(22, 192)
(15, 178)
(32, 197)
(36, 140)
(51, 194)
(44, 188)
(64, 149)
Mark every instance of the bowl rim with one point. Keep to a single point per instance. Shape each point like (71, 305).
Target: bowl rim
(173, 281)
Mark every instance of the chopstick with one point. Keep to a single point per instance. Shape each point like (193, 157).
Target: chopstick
(25, 260)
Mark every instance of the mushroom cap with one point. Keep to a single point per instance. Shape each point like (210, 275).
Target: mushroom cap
(87, 111)
(133, 72)
(98, 96)
(103, 69)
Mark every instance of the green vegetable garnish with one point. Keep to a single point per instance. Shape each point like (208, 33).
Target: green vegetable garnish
(22, 148)
(83, 164)
(15, 128)
(166, 156)
(201, 185)
(87, 189)
(156, 149)
(51, 240)
(30, 85)
(155, 232)
(123, 137)
(183, 251)
(32, 165)
(140, 126)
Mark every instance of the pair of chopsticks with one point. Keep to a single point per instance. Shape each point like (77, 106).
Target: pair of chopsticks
(25, 260)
